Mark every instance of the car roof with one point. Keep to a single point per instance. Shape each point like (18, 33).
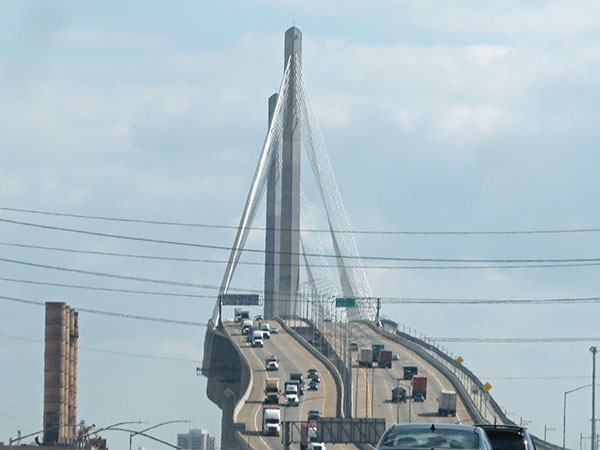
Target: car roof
(438, 426)
(492, 427)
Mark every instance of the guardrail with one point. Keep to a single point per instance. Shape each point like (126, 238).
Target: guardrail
(330, 366)
(487, 407)
(485, 404)
(423, 353)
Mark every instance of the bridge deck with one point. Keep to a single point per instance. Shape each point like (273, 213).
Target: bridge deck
(386, 379)
(292, 358)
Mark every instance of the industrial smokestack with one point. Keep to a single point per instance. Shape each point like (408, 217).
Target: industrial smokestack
(60, 368)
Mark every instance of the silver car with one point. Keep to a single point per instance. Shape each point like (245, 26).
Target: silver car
(434, 436)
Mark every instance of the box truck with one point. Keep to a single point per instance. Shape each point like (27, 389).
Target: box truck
(419, 386)
(271, 420)
(272, 391)
(447, 405)
(385, 358)
(365, 357)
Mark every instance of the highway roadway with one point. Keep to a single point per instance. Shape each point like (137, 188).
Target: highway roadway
(372, 388)
(292, 358)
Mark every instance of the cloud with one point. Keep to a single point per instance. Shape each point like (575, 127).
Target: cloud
(472, 119)
(497, 19)
(111, 38)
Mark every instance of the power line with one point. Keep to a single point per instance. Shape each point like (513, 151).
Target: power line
(566, 377)
(471, 301)
(97, 288)
(21, 410)
(109, 275)
(232, 227)
(253, 263)
(104, 350)
(20, 419)
(387, 300)
(348, 257)
(516, 340)
(109, 313)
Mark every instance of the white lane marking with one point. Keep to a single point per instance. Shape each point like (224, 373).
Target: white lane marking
(259, 408)
(428, 367)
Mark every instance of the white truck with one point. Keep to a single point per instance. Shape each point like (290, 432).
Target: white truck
(271, 420)
(257, 338)
(291, 394)
(246, 324)
(308, 437)
(447, 403)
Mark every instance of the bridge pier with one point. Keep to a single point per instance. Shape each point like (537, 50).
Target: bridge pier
(228, 379)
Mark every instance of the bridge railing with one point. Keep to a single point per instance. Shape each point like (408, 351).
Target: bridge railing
(486, 405)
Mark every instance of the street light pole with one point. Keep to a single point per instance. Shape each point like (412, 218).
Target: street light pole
(593, 350)
(131, 435)
(564, 431)
(397, 403)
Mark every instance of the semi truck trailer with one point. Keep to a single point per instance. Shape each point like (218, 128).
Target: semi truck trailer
(419, 385)
(365, 357)
(447, 403)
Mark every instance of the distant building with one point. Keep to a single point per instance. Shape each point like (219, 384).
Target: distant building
(196, 440)
(210, 442)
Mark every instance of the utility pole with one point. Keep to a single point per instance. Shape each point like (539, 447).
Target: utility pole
(356, 395)
(397, 403)
(593, 436)
(366, 394)
(372, 389)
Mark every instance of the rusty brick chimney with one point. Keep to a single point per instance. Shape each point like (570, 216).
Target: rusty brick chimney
(60, 374)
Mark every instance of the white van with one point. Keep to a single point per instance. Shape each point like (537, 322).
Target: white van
(266, 330)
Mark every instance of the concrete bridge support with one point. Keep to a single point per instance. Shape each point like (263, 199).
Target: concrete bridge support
(229, 377)
(283, 199)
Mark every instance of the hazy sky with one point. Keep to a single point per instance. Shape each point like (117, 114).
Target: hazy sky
(438, 116)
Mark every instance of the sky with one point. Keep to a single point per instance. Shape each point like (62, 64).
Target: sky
(437, 116)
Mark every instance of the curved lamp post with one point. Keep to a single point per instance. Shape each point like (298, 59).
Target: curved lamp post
(565, 411)
(132, 434)
(145, 435)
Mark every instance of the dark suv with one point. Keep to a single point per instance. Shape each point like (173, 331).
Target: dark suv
(508, 437)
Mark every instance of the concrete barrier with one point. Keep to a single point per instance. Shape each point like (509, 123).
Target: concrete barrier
(317, 354)
(419, 350)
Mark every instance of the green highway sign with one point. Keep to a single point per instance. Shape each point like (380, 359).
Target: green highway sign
(345, 302)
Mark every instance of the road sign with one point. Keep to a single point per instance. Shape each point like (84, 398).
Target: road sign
(487, 386)
(240, 299)
(460, 360)
(345, 302)
(349, 430)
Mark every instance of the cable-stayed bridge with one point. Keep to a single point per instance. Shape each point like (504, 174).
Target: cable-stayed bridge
(314, 332)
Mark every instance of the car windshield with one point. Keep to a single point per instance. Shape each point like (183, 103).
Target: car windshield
(424, 438)
(506, 441)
